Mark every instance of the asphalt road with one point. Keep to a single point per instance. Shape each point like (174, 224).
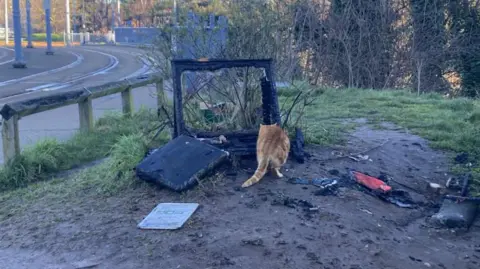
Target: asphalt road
(37, 62)
(6, 55)
(86, 66)
(80, 67)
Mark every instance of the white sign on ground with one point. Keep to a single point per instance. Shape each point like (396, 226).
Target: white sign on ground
(168, 216)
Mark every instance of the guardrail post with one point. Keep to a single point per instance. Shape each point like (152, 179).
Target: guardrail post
(161, 99)
(11, 140)
(85, 111)
(127, 101)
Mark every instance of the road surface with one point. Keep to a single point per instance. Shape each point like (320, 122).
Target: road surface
(36, 60)
(69, 69)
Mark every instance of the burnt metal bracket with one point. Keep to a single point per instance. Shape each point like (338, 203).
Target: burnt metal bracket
(269, 93)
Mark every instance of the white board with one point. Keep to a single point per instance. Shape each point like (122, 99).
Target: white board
(168, 216)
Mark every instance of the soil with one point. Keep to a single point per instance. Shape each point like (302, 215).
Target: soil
(273, 224)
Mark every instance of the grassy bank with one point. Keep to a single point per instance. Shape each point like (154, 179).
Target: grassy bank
(451, 125)
(41, 161)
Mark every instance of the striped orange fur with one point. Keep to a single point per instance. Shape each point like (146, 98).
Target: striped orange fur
(273, 146)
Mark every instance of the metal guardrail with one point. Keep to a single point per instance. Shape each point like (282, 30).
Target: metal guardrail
(14, 111)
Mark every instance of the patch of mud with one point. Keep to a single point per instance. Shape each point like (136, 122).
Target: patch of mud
(273, 224)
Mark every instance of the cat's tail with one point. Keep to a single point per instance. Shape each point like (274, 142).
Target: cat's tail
(259, 173)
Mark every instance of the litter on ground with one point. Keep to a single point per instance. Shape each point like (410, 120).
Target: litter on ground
(168, 216)
(167, 165)
(370, 182)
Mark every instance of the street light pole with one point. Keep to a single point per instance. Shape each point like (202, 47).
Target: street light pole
(74, 16)
(67, 22)
(83, 15)
(84, 30)
(29, 25)
(175, 29)
(175, 12)
(118, 11)
(6, 21)
(113, 17)
(17, 34)
(48, 26)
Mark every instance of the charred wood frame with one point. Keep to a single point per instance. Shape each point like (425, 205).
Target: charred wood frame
(242, 142)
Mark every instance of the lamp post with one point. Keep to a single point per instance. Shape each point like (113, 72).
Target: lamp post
(84, 31)
(113, 17)
(74, 16)
(67, 22)
(48, 26)
(175, 28)
(175, 19)
(83, 15)
(29, 25)
(6, 21)
(17, 34)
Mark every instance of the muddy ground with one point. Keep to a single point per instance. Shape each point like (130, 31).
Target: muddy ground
(266, 226)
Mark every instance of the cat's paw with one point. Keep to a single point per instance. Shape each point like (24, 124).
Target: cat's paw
(277, 173)
(246, 184)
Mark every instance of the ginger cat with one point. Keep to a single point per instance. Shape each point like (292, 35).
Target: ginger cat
(273, 146)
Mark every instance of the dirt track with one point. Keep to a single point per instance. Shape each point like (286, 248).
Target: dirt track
(257, 227)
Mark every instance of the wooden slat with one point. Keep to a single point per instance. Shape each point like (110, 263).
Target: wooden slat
(32, 106)
(60, 99)
(12, 112)
(108, 88)
(85, 113)
(10, 137)
(127, 102)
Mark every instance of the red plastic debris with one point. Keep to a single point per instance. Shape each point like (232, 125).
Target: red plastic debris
(371, 182)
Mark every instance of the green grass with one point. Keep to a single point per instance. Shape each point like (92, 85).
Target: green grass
(452, 125)
(116, 173)
(449, 124)
(328, 130)
(41, 161)
(43, 37)
(109, 177)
